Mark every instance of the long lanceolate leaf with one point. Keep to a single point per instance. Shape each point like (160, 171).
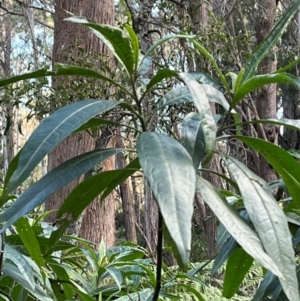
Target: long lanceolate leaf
(265, 46)
(38, 193)
(282, 161)
(258, 81)
(182, 94)
(235, 225)
(115, 39)
(171, 174)
(51, 131)
(24, 268)
(202, 103)
(270, 223)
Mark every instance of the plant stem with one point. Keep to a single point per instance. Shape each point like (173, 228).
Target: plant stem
(158, 256)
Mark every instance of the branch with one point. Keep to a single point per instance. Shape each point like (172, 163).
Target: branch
(35, 7)
(11, 12)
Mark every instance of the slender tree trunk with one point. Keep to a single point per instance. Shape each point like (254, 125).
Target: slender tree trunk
(198, 11)
(98, 220)
(266, 99)
(67, 37)
(127, 198)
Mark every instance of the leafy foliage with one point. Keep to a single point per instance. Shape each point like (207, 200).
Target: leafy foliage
(53, 269)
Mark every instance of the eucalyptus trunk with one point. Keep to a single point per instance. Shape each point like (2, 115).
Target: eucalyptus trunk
(67, 38)
(266, 102)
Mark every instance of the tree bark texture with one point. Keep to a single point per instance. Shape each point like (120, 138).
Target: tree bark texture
(127, 198)
(67, 37)
(266, 102)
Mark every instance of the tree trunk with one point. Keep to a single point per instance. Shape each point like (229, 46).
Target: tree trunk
(127, 198)
(98, 220)
(67, 37)
(198, 12)
(266, 98)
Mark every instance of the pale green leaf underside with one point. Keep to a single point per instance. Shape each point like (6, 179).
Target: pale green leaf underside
(235, 225)
(170, 172)
(201, 101)
(270, 223)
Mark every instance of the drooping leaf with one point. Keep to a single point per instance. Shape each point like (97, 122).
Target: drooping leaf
(266, 287)
(95, 122)
(175, 96)
(38, 193)
(84, 193)
(115, 39)
(259, 81)
(235, 225)
(282, 162)
(50, 132)
(23, 268)
(229, 246)
(267, 44)
(160, 75)
(269, 221)
(237, 267)
(201, 101)
(193, 137)
(204, 78)
(29, 240)
(14, 79)
(170, 172)
(134, 43)
(182, 94)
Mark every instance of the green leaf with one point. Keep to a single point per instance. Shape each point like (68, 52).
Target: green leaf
(51, 131)
(134, 43)
(269, 221)
(29, 240)
(235, 225)
(159, 76)
(202, 103)
(95, 122)
(204, 78)
(216, 96)
(237, 267)
(170, 172)
(14, 79)
(259, 81)
(175, 96)
(23, 268)
(38, 193)
(266, 45)
(229, 246)
(282, 162)
(182, 94)
(142, 295)
(115, 39)
(193, 137)
(102, 183)
(202, 50)
(269, 283)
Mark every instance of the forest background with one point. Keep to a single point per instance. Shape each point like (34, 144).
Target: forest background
(243, 83)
